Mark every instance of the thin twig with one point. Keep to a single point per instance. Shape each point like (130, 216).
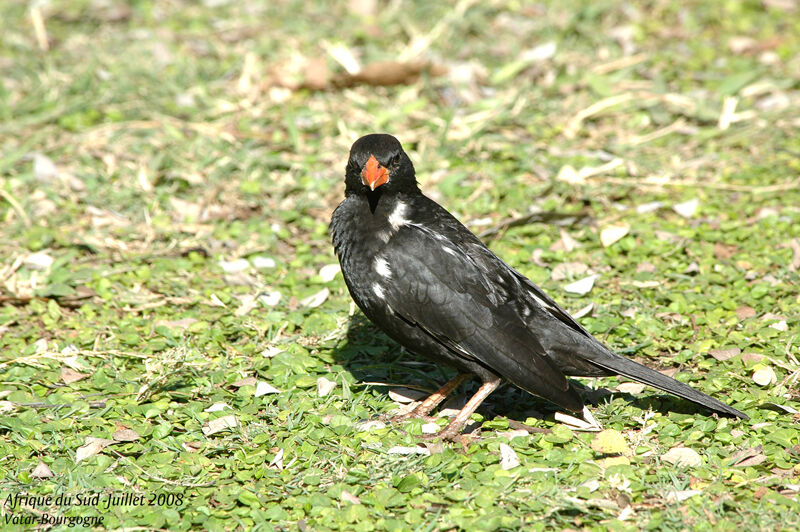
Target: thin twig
(560, 219)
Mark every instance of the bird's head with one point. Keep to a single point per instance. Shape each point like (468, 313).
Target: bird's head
(378, 164)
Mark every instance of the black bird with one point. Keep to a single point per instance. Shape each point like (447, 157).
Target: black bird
(435, 288)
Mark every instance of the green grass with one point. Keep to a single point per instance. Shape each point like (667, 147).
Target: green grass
(176, 148)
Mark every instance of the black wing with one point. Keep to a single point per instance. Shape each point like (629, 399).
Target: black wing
(456, 298)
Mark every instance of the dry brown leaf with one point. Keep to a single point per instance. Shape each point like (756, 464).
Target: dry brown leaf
(247, 381)
(92, 447)
(567, 270)
(363, 8)
(724, 251)
(669, 372)
(192, 446)
(744, 312)
(42, 471)
(219, 424)
(384, 74)
(752, 357)
(631, 387)
(724, 354)
(176, 324)
(567, 242)
(752, 461)
(645, 267)
(316, 76)
(794, 244)
(69, 375)
(346, 496)
(248, 303)
(125, 435)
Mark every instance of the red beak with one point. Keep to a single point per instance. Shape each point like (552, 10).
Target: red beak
(373, 174)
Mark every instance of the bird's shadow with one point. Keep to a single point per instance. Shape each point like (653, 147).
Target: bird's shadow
(378, 362)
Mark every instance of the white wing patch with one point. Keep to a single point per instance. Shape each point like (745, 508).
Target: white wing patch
(382, 267)
(448, 249)
(539, 301)
(378, 290)
(397, 219)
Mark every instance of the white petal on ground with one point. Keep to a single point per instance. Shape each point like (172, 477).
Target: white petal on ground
(399, 449)
(271, 298)
(508, 458)
(329, 271)
(234, 266)
(687, 209)
(44, 169)
(430, 428)
(38, 261)
(582, 286)
(316, 300)
(406, 395)
(541, 52)
(216, 407)
(585, 311)
(681, 495)
(262, 263)
(374, 424)
(217, 302)
(277, 461)
(248, 303)
(271, 351)
(613, 233)
(265, 388)
(324, 386)
(764, 376)
(648, 207)
(682, 456)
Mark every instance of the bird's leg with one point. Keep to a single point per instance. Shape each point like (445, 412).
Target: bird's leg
(453, 430)
(424, 408)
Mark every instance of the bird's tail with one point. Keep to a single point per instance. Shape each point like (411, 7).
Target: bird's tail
(629, 368)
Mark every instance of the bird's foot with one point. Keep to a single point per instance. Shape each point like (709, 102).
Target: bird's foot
(587, 424)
